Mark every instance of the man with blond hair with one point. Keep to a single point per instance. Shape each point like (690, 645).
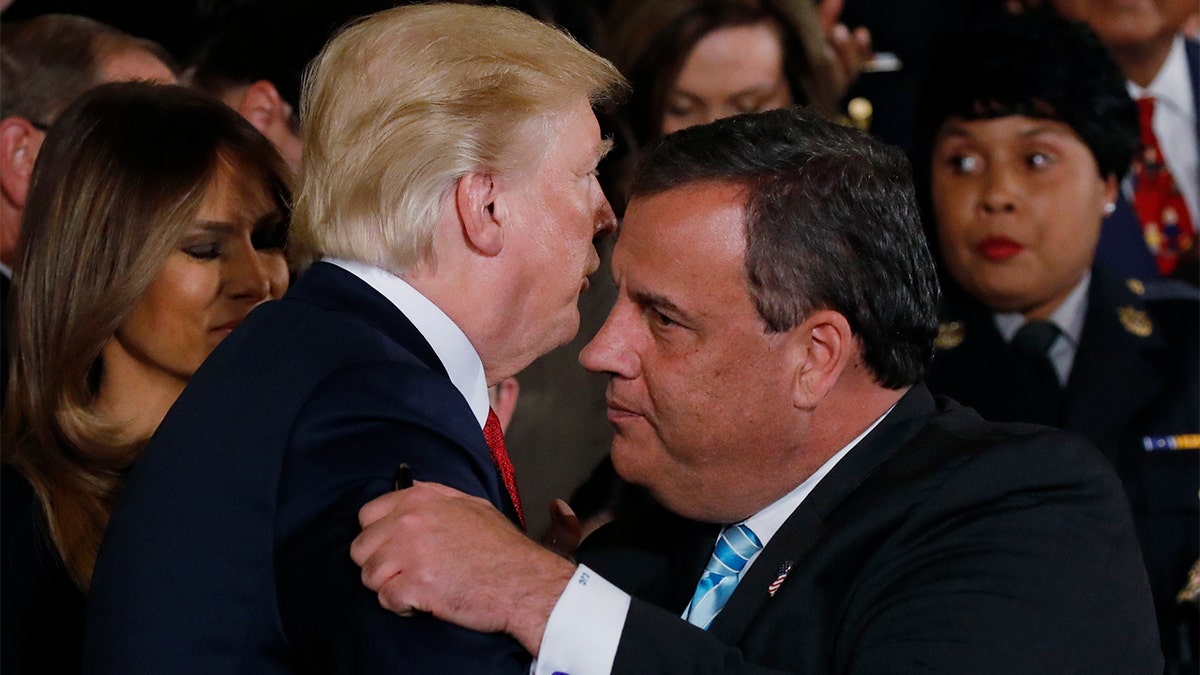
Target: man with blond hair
(446, 212)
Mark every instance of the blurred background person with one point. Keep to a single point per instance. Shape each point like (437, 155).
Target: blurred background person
(46, 63)
(1025, 132)
(156, 220)
(256, 71)
(694, 61)
(1162, 70)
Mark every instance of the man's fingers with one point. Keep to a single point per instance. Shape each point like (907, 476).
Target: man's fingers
(379, 507)
(829, 12)
(565, 530)
(392, 597)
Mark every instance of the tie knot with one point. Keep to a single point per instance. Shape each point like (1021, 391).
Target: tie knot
(1035, 338)
(492, 432)
(735, 547)
(1145, 106)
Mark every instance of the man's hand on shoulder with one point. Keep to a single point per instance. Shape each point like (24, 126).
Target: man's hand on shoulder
(433, 549)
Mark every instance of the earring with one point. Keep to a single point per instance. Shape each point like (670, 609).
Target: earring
(1109, 208)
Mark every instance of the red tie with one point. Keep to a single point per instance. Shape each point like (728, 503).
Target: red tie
(494, 436)
(1166, 224)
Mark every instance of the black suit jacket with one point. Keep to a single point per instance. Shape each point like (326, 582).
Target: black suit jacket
(939, 543)
(41, 609)
(229, 549)
(1136, 375)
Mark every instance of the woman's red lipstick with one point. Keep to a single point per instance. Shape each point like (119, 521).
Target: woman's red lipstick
(999, 248)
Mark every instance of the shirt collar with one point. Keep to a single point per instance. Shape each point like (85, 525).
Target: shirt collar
(767, 522)
(1172, 85)
(1068, 317)
(451, 345)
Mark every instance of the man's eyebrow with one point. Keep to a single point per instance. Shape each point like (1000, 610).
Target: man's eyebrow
(606, 146)
(658, 303)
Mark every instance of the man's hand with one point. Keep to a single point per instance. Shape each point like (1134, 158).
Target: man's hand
(849, 50)
(565, 530)
(433, 549)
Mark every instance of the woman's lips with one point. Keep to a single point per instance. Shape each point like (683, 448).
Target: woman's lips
(999, 248)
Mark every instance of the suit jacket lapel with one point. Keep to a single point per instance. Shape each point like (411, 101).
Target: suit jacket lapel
(805, 527)
(334, 288)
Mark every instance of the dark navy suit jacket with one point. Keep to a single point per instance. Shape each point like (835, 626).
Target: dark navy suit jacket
(1136, 375)
(940, 543)
(229, 549)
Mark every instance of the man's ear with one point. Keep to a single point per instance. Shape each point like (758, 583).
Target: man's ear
(19, 146)
(823, 345)
(264, 108)
(504, 399)
(475, 198)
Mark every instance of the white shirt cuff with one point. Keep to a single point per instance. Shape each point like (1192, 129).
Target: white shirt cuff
(583, 630)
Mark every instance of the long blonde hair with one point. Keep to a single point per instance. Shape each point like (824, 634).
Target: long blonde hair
(118, 180)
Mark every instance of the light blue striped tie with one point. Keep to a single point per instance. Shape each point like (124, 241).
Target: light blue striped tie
(735, 547)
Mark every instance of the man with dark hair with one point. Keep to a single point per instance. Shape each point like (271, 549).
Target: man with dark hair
(256, 71)
(46, 63)
(822, 512)
(1026, 133)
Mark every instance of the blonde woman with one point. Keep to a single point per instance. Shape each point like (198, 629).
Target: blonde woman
(156, 220)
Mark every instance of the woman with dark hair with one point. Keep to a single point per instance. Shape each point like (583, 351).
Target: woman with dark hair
(1025, 131)
(156, 220)
(694, 61)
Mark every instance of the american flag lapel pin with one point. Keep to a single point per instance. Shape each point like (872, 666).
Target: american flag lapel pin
(784, 569)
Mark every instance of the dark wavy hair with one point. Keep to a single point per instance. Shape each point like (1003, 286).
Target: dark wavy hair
(1035, 65)
(831, 223)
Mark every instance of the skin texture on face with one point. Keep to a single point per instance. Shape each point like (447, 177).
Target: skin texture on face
(230, 261)
(699, 393)
(730, 71)
(1124, 22)
(1018, 203)
(1138, 31)
(553, 211)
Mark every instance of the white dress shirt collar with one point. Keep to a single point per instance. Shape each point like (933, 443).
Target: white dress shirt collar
(1172, 85)
(767, 522)
(451, 345)
(1068, 317)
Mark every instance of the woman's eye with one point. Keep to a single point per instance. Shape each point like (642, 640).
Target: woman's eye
(964, 163)
(205, 251)
(1039, 160)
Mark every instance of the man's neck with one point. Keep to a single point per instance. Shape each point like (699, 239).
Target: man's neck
(1141, 63)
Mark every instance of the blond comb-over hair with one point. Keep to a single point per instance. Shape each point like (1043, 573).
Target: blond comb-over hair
(401, 104)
